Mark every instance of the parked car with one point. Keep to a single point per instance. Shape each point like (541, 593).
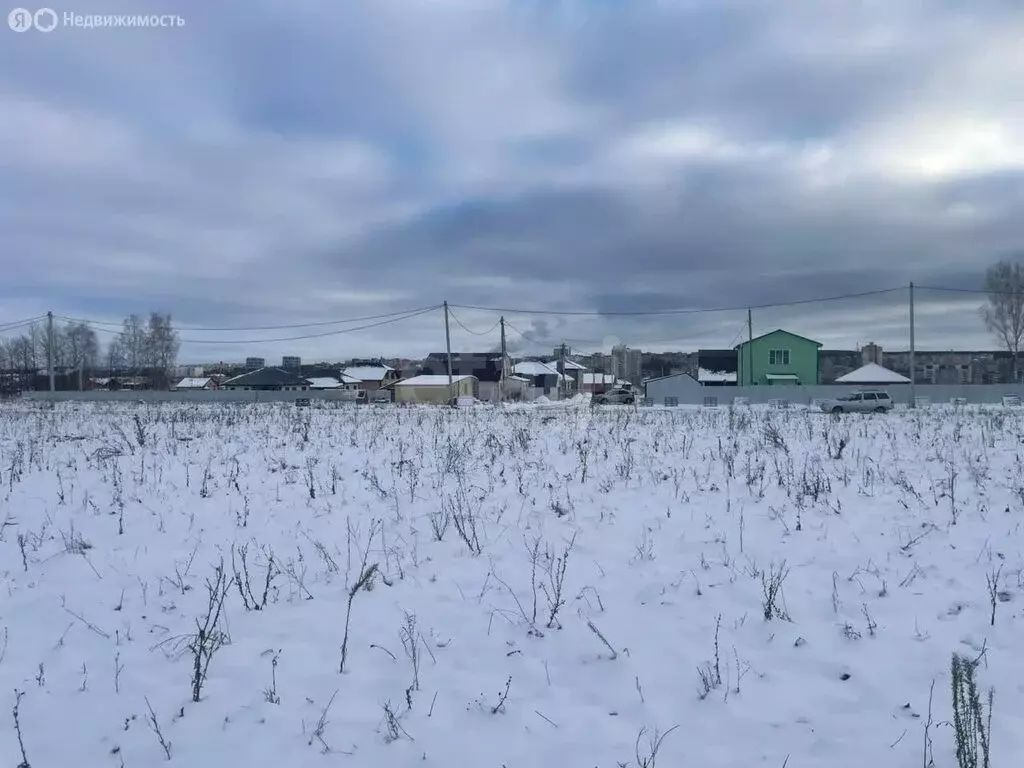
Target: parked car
(382, 398)
(614, 397)
(863, 401)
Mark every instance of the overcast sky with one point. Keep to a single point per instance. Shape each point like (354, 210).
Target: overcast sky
(277, 163)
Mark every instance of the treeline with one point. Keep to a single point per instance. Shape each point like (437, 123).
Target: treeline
(142, 348)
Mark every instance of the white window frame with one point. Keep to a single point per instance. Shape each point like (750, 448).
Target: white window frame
(778, 357)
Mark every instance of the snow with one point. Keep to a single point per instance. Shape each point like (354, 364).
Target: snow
(430, 380)
(193, 382)
(872, 373)
(570, 365)
(324, 382)
(114, 516)
(531, 368)
(367, 372)
(718, 376)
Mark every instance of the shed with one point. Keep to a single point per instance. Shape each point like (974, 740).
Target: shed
(433, 388)
(681, 387)
(873, 373)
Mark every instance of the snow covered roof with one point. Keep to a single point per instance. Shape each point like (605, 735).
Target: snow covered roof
(430, 380)
(324, 382)
(192, 382)
(872, 373)
(705, 375)
(570, 365)
(530, 368)
(368, 372)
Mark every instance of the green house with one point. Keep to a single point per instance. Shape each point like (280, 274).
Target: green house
(779, 357)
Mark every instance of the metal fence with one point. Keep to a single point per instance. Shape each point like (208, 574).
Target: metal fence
(976, 394)
(199, 396)
(777, 396)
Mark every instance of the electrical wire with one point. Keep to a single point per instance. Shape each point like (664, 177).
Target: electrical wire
(942, 289)
(319, 324)
(691, 311)
(513, 328)
(467, 330)
(406, 316)
(17, 324)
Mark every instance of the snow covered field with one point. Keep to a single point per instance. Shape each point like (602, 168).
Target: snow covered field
(517, 588)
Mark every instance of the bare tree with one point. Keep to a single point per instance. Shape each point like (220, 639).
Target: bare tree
(161, 348)
(1004, 313)
(81, 346)
(116, 359)
(132, 341)
(22, 355)
(35, 346)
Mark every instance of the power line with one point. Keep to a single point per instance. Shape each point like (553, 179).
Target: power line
(392, 319)
(467, 330)
(942, 289)
(691, 311)
(319, 324)
(17, 324)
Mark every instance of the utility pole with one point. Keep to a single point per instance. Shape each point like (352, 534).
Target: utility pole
(49, 349)
(448, 350)
(501, 381)
(561, 371)
(81, 365)
(913, 377)
(750, 347)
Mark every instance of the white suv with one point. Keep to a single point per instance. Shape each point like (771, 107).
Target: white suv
(863, 401)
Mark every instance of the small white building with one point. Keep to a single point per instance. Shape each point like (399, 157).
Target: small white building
(434, 388)
(681, 387)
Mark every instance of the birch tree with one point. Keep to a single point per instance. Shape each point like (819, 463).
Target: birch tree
(162, 347)
(1004, 312)
(132, 342)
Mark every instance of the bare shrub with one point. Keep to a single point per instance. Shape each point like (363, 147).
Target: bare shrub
(17, 729)
(554, 589)
(710, 673)
(773, 601)
(154, 725)
(243, 579)
(365, 581)
(209, 638)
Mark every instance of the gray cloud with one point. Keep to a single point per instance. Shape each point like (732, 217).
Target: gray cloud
(322, 160)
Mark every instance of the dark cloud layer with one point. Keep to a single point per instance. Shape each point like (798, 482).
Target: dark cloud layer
(313, 161)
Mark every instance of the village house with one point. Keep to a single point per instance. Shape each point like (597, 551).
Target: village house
(267, 380)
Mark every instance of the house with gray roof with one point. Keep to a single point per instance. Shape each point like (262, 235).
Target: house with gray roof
(267, 380)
